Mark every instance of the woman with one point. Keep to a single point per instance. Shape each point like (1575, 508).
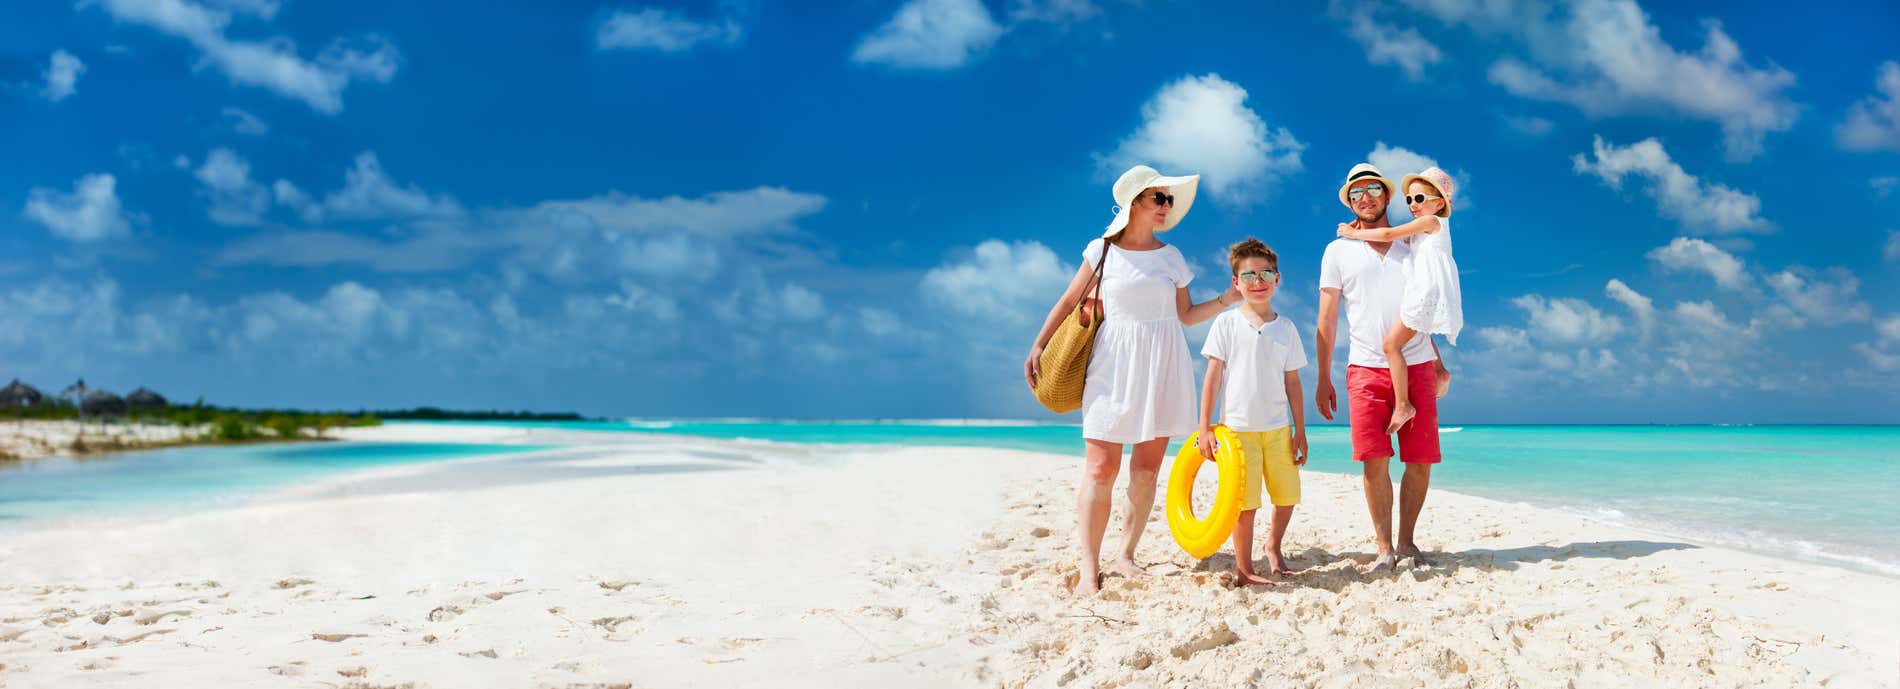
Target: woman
(1140, 384)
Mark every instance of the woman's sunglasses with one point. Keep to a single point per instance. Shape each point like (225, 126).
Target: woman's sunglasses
(1375, 189)
(1248, 277)
(1161, 199)
(1421, 198)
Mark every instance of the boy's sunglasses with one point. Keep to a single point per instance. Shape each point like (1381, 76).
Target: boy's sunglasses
(1248, 277)
(1375, 189)
(1161, 199)
(1421, 198)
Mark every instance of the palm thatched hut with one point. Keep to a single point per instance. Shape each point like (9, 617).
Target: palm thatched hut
(18, 394)
(144, 400)
(75, 394)
(102, 404)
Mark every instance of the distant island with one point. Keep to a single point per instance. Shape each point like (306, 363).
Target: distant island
(83, 420)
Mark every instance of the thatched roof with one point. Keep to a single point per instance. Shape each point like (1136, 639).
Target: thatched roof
(102, 403)
(145, 400)
(75, 392)
(18, 394)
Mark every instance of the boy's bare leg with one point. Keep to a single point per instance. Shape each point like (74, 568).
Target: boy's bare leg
(1102, 462)
(1402, 410)
(1412, 488)
(1276, 560)
(1243, 552)
(1377, 480)
(1143, 470)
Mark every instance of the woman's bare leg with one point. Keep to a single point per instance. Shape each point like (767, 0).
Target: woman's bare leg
(1101, 463)
(1144, 469)
(1402, 410)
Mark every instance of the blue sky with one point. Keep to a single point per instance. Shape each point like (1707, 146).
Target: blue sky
(1677, 212)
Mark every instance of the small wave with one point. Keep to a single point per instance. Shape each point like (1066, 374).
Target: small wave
(651, 425)
(1451, 429)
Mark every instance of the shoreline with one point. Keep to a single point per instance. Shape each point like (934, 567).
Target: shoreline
(673, 561)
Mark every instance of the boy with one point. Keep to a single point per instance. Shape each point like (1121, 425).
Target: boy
(1258, 355)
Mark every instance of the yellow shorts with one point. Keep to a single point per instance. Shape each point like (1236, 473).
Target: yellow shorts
(1268, 456)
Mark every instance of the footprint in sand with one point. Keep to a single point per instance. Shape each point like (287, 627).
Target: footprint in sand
(291, 583)
(353, 671)
(618, 585)
(293, 668)
(148, 620)
(484, 653)
(335, 638)
(612, 624)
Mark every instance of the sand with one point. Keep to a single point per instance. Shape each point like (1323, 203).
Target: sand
(650, 561)
(33, 439)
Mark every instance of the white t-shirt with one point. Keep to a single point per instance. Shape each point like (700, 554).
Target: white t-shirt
(1257, 359)
(1371, 286)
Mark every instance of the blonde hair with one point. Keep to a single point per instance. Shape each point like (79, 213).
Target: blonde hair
(1251, 248)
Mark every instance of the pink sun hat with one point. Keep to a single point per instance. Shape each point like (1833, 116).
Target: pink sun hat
(1438, 179)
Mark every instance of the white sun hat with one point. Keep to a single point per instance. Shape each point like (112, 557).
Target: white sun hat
(1366, 171)
(1140, 177)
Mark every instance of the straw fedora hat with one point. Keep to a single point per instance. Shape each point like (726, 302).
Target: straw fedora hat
(1365, 171)
(1140, 177)
(1439, 181)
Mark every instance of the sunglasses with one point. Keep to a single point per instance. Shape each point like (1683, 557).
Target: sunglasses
(1248, 277)
(1421, 198)
(1161, 199)
(1375, 189)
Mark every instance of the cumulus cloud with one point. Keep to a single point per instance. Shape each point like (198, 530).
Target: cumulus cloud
(1565, 321)
(1825, 298)
(61, 75)
(1701, 207)
(90, 213)
(1390, 45)
(226, 180)
(1202, 125)
(1873, 124)
(243, 122)
(1685, 254)
(1640, 306)
(1006, 282)
(930, 34)
(1883, 354)
(271, 64)
(367, 194)
(1606, 58)
(662, 30)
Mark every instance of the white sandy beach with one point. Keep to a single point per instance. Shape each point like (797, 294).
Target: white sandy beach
(627, 560)
(34, 439)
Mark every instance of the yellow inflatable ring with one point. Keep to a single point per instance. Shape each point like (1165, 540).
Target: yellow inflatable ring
(1202, 537)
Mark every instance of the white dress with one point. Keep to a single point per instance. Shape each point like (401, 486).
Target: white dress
(1140, 383)
(1432, 303)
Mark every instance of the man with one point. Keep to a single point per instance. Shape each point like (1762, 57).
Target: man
(1369, 277)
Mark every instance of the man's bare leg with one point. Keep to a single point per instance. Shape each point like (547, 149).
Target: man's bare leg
(1102, 462)
(1412, 488)
(1143, 470)
(1377, 481)
(1276, 560)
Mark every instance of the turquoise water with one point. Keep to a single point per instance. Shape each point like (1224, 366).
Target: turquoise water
(185, 477)
(1822, 493)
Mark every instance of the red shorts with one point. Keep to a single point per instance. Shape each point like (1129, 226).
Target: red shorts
(1369, 399)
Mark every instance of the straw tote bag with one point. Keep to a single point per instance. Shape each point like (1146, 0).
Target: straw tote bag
(1065, 360)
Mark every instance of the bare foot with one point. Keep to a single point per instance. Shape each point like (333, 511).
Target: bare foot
(1418, 556)
(1087, 585)
(1127, 568)
(1276, 563)
(1402, 414)
(1250, 579)
(1444, 382)
(1385, 563)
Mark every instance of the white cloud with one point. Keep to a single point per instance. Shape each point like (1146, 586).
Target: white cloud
(90, 213)
(367, 194)
(725, 214)
(1640, 306)
(662, 30)
(417, 253)
(1567, 321)
(1883, 186)
(271, 64)
(1685, 254)
(1529, 125)
(62, 73)
(930, 34)
(640, 300)
(1701, 207)
(1011, 283)
(1054, 11)
(1873, 124)
(1892, 250)
(1828, 298)
(244, 122)
(1202, 125)
(235, 198)
(1390, 45)
(1397, 162)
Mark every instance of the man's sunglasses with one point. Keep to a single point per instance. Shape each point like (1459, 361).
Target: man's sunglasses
(1375, 189)
(1421, 198)
(1248, 277)
(1161, 199)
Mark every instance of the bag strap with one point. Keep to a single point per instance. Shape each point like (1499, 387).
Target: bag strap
(1094, 296)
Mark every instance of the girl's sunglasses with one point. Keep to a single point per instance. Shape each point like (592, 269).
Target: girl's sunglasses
(1375, 189)
(1248, 277)
(1421, 198)
(1161, 199)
